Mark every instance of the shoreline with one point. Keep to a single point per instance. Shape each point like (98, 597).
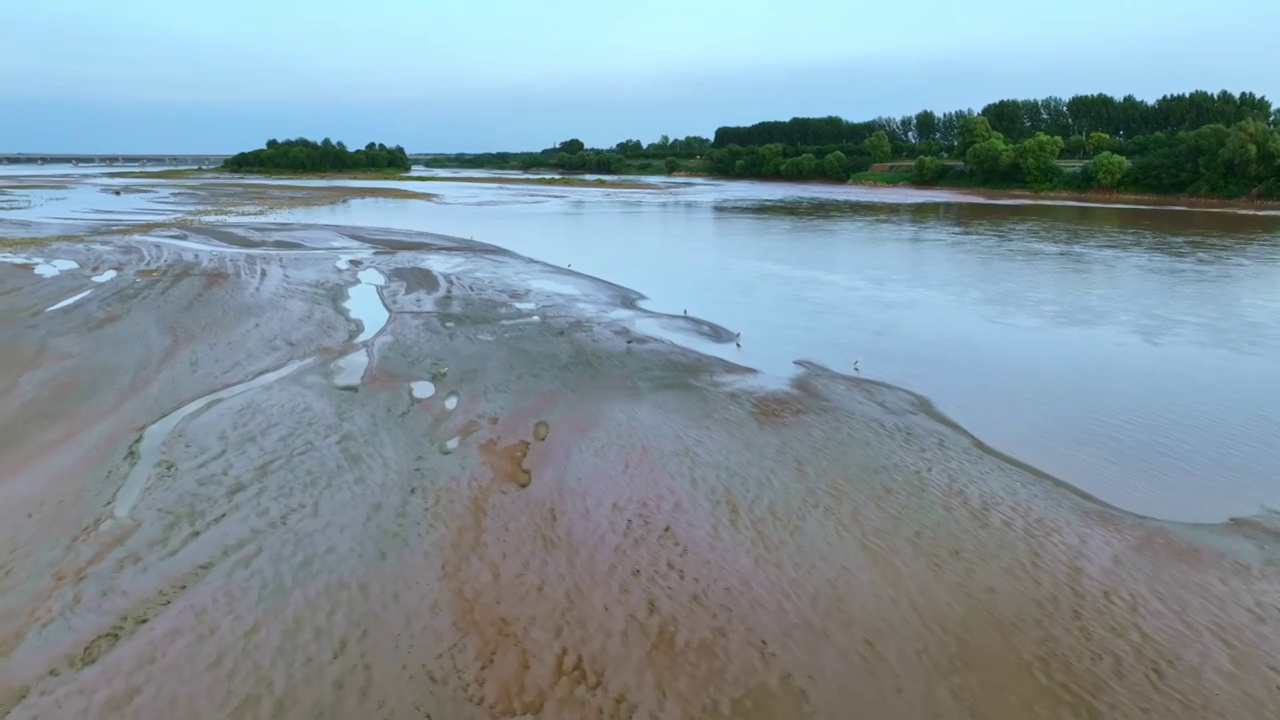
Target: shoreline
(1099, 197)
(561, 181)
(1192, 202)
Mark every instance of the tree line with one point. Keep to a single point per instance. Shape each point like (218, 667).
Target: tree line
(1200, 143)
(303, 155)
(928, 132)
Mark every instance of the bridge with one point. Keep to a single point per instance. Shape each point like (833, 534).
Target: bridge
(109, 159)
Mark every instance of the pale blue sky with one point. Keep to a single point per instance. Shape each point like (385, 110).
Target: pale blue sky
(172, 76)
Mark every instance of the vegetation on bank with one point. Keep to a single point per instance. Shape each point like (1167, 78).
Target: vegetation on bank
(1199, 143)
(307, 156)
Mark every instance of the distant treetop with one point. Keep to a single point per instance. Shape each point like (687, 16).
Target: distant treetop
(303, 155)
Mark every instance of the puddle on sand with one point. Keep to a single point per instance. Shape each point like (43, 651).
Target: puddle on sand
(344, 261)
(522, 321)
(55, 267)
(422, 389)
(525, 306)
(40, 266)
(153, 437)
(349, 370)
(109, 274)
(364, 304)
(451, 400)
(370, 276)
(69, 301)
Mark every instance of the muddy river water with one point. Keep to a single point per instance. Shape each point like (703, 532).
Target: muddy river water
(612, 458)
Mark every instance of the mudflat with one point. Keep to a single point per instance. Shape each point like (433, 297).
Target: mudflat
(296, 471)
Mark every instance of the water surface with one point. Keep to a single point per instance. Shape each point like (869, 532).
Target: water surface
(1129, 350)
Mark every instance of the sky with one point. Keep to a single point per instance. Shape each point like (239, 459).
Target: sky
(157, 76)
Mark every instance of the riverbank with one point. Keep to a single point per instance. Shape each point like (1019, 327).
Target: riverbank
(1091, 196)
(394, 176)
(197, 203)
(497, 512)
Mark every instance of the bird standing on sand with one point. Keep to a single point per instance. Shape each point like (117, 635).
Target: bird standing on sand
(855, 365)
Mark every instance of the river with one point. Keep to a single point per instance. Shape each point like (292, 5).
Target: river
(282, 452)
(1129, 350)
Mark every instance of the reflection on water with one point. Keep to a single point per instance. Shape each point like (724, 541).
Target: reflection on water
(1129, 350)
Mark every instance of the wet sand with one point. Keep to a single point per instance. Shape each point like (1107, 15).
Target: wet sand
(577, 521)
(615, 183)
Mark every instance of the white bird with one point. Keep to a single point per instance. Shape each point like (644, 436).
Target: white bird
(855, 365)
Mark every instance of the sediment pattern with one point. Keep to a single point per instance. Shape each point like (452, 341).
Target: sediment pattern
(503, 516)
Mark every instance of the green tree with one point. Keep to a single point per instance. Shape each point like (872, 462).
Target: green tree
(833, 166)
(662, 145)
(878, 147)
(1097, 142)
(926, 127)
(1251, 151)
(1107, 169)
(529, 161)
(773, 159)
(973, 131)
(928, 170)
(990, 159)
(1075, 146)
(572, 146)
(1037, 157)
(630, 148)
(800, 168)
(671, 165)
(303, 155)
